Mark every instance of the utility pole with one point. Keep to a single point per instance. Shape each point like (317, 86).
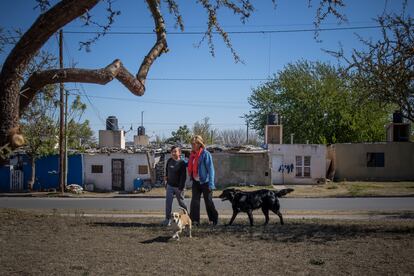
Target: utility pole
(247, 131)
(247, 127)
(66, 138)
(61, 121)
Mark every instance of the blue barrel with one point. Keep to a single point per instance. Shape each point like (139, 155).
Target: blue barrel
(138, 182)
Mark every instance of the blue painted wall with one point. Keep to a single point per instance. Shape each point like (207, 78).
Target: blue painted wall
(47, 171)
(4, 179)
(47, 176)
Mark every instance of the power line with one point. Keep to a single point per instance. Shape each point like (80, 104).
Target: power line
(207, 79)
(172, 124)
(234, 32)
(159, 102)
(95, 110)
(226, 26)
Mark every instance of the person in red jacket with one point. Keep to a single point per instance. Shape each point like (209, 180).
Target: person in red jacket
(201, 172)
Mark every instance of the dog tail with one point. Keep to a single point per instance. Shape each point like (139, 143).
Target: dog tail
(184, 210)
(284, 192)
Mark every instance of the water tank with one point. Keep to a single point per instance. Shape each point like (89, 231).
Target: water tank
(273, 119)
(111, 123)
(397, 117)
(141, 131)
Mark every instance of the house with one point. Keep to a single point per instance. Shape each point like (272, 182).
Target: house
(241, 168)
(15, 176)
(387, 161)
(297, 163)
(381, 161)
(293, 163)
(116, 171)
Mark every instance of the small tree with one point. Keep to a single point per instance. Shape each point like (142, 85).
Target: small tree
(182, 135)
(41, 126)
(41, 131)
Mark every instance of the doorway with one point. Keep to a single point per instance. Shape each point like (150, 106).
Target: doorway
(277, 175)
(118, 175)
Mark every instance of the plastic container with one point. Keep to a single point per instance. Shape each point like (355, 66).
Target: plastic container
(138, 183)
(90, 187)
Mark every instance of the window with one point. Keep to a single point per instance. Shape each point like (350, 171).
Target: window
(97, 169)
(303, 166)
(142, 169)
(375, 159)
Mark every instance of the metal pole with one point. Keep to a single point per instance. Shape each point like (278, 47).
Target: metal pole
(66, 138)
(247, 132)
(61, 120)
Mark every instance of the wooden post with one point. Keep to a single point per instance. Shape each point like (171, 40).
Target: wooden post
(61, 121)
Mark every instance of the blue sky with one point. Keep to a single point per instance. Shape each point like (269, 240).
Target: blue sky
(169, 104)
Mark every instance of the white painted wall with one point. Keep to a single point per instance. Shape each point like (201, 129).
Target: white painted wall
(112, 139)
(103, 181)
(287, 153)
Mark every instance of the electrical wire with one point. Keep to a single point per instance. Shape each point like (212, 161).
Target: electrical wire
(234, 32)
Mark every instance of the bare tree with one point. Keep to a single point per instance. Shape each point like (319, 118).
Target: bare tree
(205, 130)
(385, 71)
(15, 96)
(237, 137)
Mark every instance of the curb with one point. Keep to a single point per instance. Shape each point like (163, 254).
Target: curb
(67, 195)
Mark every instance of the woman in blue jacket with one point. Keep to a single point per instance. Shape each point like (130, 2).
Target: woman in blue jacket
(201, 172)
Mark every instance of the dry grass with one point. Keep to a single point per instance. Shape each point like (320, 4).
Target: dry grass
(354, 189)
(331, 189)
(35, 243)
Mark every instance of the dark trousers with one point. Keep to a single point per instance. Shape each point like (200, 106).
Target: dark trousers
(197, 190)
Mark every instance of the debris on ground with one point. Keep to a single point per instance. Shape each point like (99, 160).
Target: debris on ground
(74, 188)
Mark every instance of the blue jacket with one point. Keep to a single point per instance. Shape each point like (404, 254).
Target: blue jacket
(206, 169)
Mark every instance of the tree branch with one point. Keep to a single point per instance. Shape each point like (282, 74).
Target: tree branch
(42, 29)
(99, 76)
(160, 45)
(104, 75)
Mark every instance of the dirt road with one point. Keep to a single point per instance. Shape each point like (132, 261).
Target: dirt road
(35, 243)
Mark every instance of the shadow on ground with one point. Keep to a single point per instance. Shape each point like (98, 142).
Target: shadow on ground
(316, 231)
(127, 224)
(159, 239)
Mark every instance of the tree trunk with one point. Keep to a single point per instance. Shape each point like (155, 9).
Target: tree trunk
(33, 175)
(16, 63)
(9, 112)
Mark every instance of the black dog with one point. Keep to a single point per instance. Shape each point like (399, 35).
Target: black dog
(242, 201)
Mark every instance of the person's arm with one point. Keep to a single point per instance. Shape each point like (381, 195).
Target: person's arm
(166, 173)
(210, 170)
(183, 175)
